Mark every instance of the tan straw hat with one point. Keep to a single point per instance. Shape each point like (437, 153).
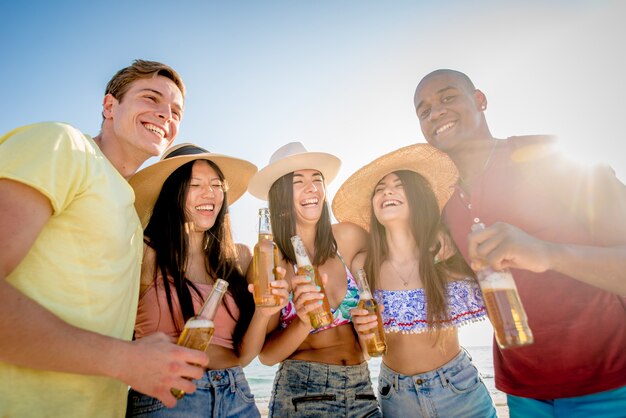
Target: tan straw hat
(353, 199)
(147, 183)
(289, 158)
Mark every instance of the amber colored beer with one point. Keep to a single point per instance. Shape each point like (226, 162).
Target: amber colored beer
(320, 316)
(264, 271)
(507, 317)
(199, 329)
(197, 335)
(375, 345)
(504, 306)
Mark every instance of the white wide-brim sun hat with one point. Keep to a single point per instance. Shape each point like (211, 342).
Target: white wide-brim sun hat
(289, 158)
(352, 201)
(147, 183)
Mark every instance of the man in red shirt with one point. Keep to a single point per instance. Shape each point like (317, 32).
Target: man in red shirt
(561, 228)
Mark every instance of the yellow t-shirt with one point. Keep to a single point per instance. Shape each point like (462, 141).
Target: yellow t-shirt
(84, 266)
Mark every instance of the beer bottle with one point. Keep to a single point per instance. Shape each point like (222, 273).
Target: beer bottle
(264, 263)
(375, 345)
(320, 316)
(503, 304)
(199, 329)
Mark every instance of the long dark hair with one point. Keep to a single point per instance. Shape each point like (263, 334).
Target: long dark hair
(283, 218)
(166, 234)
(426, 226)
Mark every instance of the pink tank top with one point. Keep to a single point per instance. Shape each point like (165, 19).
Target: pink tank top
(153, 314)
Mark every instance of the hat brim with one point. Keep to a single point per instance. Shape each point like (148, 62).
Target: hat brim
(262, 181)
(352, 201)
(147, 183)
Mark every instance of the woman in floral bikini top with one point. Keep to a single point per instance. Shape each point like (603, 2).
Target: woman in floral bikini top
(322, 372)
(341, 315)
(424, 373)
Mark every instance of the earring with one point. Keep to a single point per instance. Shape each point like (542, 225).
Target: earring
(483, 107)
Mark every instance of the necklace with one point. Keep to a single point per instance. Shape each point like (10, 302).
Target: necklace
(404, 281)
(466, 182)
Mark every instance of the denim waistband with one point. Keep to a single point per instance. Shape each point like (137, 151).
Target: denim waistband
(224, 377)
(328, 375)
(428, 379)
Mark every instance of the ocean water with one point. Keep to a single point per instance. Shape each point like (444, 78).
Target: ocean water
(261, 378)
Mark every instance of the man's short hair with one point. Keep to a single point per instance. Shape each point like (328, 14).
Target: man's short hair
(459, 75)
(121, 81)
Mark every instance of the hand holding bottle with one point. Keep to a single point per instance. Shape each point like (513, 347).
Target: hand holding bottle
(365, 323)
(504, 246)
(279, 288)
(504, 306)
(307, 296)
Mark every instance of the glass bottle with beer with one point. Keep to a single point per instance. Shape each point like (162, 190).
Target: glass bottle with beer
(504, 306)
(199, 329)
(375, 345)
(264, 263)
(320, 316)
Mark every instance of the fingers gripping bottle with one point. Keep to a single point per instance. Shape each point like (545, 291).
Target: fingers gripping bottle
(503, 304)
(264, 263)
(320, 316)
(375, 345)
(199, 329)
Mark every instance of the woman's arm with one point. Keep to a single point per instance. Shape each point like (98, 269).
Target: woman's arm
(283, 343)
(263, 319)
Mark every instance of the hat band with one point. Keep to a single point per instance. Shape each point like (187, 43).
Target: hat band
(186, 150)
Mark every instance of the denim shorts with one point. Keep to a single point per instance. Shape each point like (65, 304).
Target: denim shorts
(608, 404)
(219, 393)
(310, 389)
(453, 390)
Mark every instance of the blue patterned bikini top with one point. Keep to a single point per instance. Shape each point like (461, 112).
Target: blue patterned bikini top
(405, 310)
(341, 315)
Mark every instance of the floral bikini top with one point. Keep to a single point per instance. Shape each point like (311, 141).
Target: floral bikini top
(405, 310)
(341, 315)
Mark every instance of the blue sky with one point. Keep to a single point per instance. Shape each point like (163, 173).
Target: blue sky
(337, 75)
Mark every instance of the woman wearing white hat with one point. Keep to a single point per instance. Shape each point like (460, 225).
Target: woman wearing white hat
(322, 371)
(182, 201)
(398, 198)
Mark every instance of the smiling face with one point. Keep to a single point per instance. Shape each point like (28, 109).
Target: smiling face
(450, 110)
(146, 120)
(205, 196)
(309, 195)
(389, 202)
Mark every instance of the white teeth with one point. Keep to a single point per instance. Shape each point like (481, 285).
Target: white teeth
(312, 201)
(205, 207)
(390, 203)
(154, 129)
(444, 128)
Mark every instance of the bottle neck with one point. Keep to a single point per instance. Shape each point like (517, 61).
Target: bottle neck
(265, 227)
(302, 258)
(362, 284)
(209, 308)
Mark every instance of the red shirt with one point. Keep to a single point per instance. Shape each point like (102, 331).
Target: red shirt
(579, 330)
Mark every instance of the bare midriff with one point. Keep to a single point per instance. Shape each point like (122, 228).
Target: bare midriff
(411, 354)
(222, 358)
(338, 346)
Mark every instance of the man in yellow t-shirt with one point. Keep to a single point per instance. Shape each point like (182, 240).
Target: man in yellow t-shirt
(70, 255)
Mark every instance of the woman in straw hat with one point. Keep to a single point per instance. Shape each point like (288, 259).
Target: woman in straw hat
(182, 201)
(398, 198)
(322, 371)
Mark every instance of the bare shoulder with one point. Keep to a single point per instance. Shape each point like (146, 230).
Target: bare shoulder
(244, 256)
(351, 240)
